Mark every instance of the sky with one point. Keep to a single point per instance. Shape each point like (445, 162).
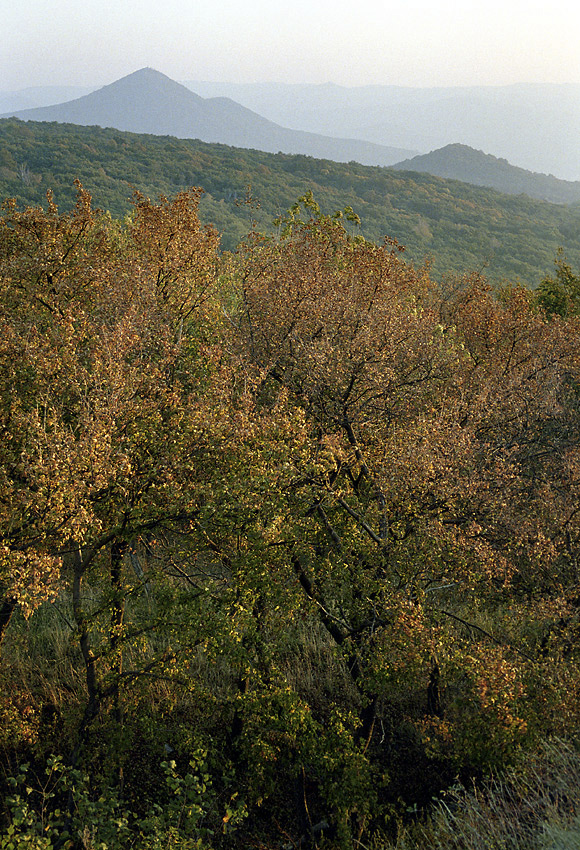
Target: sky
(359, 42)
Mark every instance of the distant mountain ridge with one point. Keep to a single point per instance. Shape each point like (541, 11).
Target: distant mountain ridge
(33, 97)
(461, 162)
(148, 101)
(534, 125)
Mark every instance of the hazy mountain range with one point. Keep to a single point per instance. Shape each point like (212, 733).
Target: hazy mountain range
(150, 102)
(34, 96)
(534, 125)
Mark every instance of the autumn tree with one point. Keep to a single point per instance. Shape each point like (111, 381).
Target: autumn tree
(108, 351)
(43, 294)
(429, 479)
(330, 502)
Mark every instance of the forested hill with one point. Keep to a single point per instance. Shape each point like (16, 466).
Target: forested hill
(150, 102)
(460, 226)
(461, 162)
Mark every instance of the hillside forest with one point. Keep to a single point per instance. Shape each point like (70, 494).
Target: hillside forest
(457, 227)
(289, 539)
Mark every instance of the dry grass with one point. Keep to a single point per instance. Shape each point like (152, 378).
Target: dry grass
(536, 807)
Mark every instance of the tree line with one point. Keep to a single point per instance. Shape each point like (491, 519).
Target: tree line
(457, 226)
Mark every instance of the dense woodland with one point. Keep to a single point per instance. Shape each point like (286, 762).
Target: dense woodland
(289, 539)
(457, 227)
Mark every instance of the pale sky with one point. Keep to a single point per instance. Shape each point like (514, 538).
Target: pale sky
(359, 42)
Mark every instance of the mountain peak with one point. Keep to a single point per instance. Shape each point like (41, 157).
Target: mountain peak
(147, 101)
(461, 162)
(146, 73)
(151, 81)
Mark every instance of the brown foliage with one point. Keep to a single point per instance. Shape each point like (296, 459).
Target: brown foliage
(313, 435)
(442, 430)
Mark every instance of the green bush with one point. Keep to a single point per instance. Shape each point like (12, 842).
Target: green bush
(59, 811)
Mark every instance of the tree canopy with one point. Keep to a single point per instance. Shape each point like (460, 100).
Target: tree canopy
(307, 518)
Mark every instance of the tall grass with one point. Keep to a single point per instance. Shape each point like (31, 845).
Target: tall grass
(533, 807)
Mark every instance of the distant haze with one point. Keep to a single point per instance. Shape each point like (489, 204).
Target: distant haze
(150, 102)
(533, 126)
(411, 43)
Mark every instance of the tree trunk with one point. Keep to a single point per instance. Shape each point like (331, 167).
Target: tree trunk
(93, 690)
(7, 609)
(118, 548)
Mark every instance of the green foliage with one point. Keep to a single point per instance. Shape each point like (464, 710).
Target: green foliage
(560, 294)
(457, 226)
(62, 810)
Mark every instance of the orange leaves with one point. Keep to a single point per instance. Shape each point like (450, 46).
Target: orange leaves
(439, 462)
(177, 253)
(101, 362)
(333, 436)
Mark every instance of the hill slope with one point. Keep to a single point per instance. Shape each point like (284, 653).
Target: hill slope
(535, 126)
(460, 162)
(150, 102)
(461, 227)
